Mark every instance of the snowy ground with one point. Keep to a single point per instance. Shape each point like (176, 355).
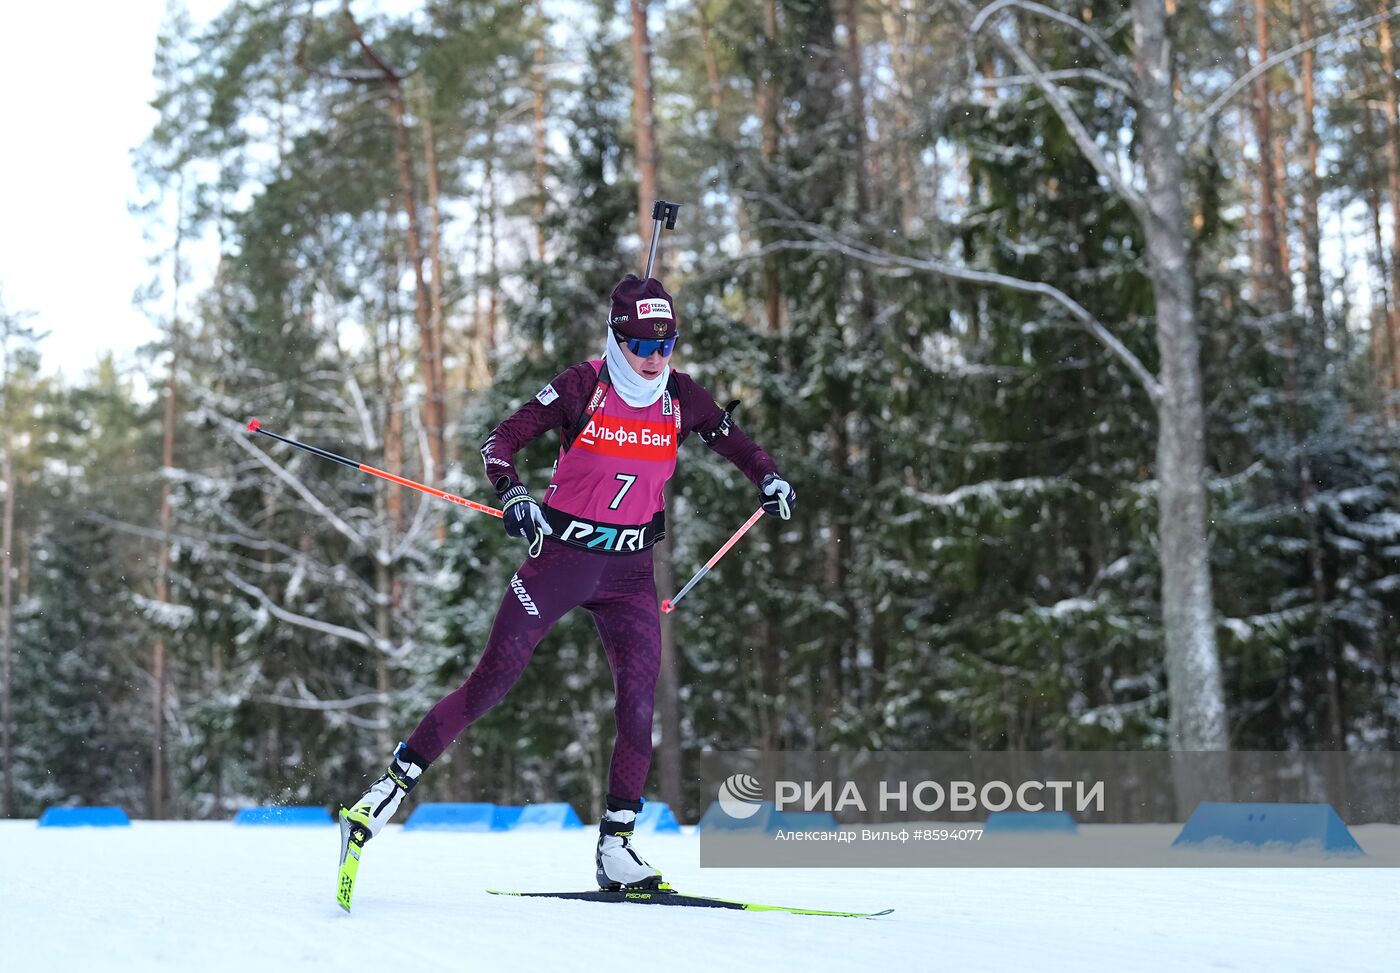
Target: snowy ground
(206, 897)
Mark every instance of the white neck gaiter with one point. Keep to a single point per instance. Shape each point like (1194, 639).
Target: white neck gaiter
(635, 390)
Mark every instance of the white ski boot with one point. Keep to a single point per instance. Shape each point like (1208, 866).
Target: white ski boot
(370, 813)
(384, 796)
(619, 865)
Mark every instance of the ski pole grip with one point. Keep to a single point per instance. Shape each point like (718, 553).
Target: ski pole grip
(663, 210)
(663, 214)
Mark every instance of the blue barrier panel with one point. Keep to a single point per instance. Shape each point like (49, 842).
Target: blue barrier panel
(505, 817)
(297, 816)
(553, 816)
(84, 817)
(1293, 827)
(717, 819)
(1030, 822)
(476, 816)
(766, 817)
(803, 821)
(657, 816)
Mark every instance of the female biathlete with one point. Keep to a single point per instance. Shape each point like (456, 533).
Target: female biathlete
(621, 420)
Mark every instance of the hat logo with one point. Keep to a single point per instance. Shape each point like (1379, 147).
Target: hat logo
(654, 308)
(660, 327)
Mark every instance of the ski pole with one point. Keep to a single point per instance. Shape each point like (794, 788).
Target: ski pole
(665, 213)
(669, 604)
(255, 426)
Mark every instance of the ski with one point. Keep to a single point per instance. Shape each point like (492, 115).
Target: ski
(353, 835)
(672, 898)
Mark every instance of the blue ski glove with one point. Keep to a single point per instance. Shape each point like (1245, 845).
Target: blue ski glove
(777, 496)
(522, 517)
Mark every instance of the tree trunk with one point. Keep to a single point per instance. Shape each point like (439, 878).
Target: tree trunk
(711, 71)
(1196, 694)
(493, 283)
(768, 116)
(429, 352)
(642, 118)
(855, 73)
(1314, 342)
(895, 20)
(383, 620)
(1392, 160)
(7, 624)
(724, 128)
(1380, 344)
(1285, 256)
(216, 750)
(1340, 323)
(391, 498)
(1270, 245)
(162, 596)
(537, 82)
(668, 683)
(436, 317)
(844, 549)
(158, 651)
(478, 355)
(1312, 225)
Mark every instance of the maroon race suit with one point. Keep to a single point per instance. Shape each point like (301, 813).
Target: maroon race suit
(605, 506)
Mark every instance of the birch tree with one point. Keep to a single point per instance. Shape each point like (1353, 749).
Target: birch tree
(1154, 196)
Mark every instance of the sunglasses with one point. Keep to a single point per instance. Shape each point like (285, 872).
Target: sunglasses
(646, 347)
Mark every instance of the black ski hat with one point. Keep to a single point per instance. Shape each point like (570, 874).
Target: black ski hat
(642, 309)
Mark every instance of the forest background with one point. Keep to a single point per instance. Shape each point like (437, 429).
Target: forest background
(1076, 327)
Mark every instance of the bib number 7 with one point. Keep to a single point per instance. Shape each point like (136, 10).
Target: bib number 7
(627, 482)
